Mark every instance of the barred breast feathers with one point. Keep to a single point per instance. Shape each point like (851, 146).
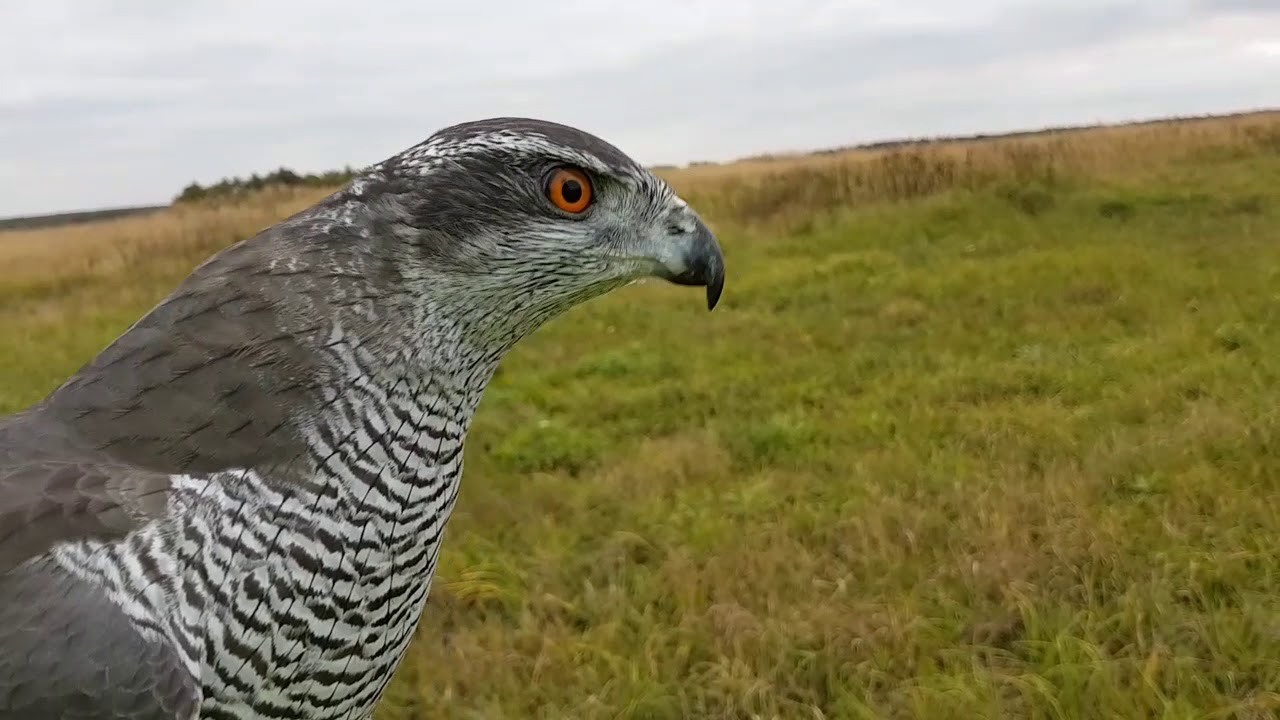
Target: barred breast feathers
(302, 597)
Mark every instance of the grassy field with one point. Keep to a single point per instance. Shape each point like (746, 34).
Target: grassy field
(986, 429)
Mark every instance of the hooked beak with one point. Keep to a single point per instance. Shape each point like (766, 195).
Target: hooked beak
(694, 258)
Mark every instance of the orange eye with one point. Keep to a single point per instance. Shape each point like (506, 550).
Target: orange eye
(570, 190)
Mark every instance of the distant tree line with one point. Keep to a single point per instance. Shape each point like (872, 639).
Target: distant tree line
(229, 188)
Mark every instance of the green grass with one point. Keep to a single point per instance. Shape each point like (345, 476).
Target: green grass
(1010, 451)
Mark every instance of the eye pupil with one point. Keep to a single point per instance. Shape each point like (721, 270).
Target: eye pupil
(572, 191)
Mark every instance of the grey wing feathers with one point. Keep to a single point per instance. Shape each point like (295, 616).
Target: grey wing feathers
(67, 653)
(44, 502)
(53, 489)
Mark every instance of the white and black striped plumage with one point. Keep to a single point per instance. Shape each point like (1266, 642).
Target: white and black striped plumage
(235, 510)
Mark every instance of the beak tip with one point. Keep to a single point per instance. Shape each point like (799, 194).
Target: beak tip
(701, 262)
(714, 288)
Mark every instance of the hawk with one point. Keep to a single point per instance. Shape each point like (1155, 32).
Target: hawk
(235, 509)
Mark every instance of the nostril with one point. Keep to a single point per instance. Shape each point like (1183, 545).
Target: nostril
(677, 229)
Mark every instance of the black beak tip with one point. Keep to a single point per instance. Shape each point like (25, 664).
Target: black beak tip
(714, 288)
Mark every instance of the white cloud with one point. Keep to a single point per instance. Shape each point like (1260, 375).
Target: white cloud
(125, 102)
(1266, 48)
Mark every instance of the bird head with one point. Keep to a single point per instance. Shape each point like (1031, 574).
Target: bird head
(526, 218)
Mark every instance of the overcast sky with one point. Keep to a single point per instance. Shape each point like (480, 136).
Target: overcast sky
(108, 103)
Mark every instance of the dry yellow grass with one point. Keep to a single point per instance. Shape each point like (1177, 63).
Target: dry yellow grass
(982, 429)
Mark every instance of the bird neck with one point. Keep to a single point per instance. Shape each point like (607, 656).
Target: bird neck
(411, 396)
